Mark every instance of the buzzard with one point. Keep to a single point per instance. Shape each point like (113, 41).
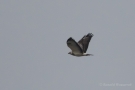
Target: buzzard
(79, 48)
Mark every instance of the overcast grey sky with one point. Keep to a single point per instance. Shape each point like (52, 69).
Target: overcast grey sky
(34, 54)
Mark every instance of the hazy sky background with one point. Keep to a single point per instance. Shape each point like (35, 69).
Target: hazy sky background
(34, 54)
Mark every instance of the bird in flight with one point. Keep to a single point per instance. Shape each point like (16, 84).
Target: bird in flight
(79, 48)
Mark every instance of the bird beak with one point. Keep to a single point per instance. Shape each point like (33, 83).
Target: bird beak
(69, 53)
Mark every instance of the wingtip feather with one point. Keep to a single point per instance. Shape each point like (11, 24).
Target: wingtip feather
(90, 34)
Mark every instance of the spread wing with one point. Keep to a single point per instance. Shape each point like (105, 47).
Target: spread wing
(73, 45)
(84, 42)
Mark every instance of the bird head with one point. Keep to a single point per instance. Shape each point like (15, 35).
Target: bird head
(70, 53)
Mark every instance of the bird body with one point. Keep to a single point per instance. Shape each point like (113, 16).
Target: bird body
(80, 48)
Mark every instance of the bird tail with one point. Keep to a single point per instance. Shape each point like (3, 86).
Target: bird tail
(88, 54)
